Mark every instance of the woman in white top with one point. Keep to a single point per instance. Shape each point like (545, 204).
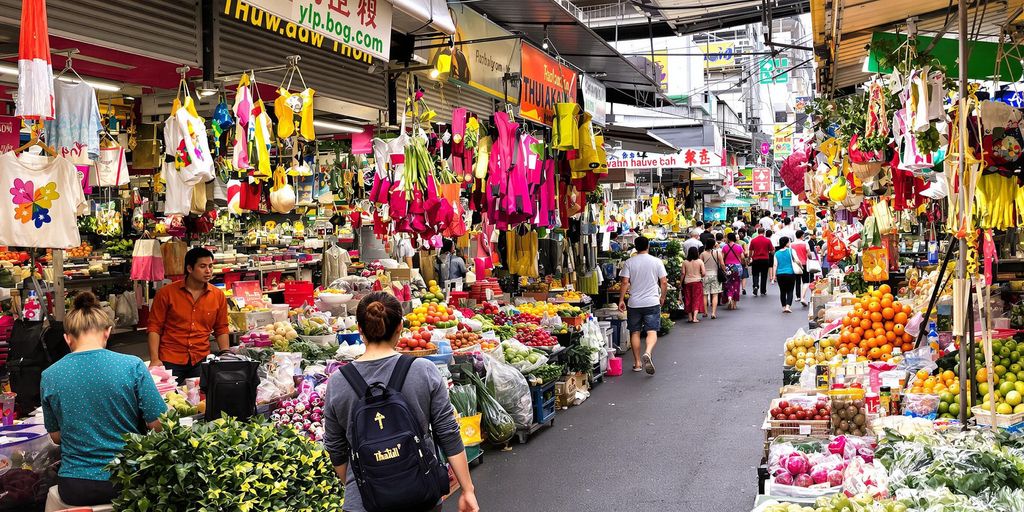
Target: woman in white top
(712, 259)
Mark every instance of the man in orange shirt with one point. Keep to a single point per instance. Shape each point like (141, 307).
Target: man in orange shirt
(183, 316)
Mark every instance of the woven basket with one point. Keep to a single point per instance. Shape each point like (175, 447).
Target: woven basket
(867, 170)
(421, 353)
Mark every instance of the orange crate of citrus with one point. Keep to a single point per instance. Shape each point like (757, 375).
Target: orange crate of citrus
(876, 327)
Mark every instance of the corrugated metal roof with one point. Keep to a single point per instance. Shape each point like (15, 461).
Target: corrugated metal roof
(575, 42)
(851, 23)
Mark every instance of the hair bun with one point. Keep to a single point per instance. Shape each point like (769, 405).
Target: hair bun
(86, 300)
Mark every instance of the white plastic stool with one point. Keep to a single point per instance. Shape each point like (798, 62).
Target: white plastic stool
(54, 504)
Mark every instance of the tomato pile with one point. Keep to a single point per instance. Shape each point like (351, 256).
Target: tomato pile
(876, 326)
(821, 410)
(419, 340)
(531, 336)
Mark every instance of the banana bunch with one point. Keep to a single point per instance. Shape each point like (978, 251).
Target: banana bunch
(995, 199)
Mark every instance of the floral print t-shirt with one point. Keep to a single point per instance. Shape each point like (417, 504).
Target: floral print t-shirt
(40, 200)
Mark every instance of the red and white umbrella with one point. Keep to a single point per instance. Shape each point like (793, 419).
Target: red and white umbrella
(35, 70)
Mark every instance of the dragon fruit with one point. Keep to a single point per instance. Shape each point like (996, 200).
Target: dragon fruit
(796, 463)
(819, 474)
(784, 478)
(835, 478)
(837, 446)
(804, 480)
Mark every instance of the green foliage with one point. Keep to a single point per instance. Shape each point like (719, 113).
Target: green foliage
(224, 465)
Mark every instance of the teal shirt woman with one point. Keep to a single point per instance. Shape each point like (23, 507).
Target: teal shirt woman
(91, 398)
(784, 274)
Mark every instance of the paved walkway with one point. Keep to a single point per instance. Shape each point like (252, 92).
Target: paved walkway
(687, 438)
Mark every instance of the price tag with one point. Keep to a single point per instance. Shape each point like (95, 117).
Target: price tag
(416, 302)
(805, 430)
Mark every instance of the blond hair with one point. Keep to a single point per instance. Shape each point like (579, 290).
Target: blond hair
(87, 316)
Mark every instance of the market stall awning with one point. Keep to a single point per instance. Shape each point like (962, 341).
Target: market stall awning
(418, 16)
(561, 23)
(669, 18)
(843, 30)
(637, 139)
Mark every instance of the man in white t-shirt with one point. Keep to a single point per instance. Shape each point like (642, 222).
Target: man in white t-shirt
(693, 241)
(766, 222)
(645, 280)
(786, 231)
(738, 224)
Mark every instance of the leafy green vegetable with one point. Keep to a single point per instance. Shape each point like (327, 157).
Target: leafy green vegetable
(463, 397)
(548, 372)
(224, 465)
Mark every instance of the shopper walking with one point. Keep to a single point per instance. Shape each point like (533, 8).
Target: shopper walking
(184, 315)
(801, 252)
(693, 285)
(743, 238)
(91, 398)
(693, 241)
(714, 277)
(733, 256)
(761, 250)
(784, 274)
(379, 318)
(645, 280)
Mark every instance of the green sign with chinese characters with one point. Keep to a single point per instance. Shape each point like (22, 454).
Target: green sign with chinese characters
(768, 68)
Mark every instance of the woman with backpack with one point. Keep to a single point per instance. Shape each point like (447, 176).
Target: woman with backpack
(714, 277)
(383, 413)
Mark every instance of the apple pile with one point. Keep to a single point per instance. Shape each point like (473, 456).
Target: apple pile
(306, 416)
(820, 410)
(463, 339)
(489, 308)
(531, 336)
(526, 318)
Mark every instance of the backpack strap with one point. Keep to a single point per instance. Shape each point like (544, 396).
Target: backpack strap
(400, 372)
(354, 379)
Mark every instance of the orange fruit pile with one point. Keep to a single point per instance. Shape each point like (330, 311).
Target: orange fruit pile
(876, 327)
(944, 382)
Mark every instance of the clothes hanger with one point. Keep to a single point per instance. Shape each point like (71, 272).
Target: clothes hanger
(35, 141)
(67, 67)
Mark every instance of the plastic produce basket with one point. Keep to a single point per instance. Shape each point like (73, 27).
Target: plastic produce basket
(544, 399)
(29, 462)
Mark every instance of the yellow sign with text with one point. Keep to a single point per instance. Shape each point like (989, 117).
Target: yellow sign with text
(262, 19)
(719, 55)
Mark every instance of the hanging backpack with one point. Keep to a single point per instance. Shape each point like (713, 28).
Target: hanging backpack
(388, 447)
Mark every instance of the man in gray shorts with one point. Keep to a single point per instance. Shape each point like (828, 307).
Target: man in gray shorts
(645, 280)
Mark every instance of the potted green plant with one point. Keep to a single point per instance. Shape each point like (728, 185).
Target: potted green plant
(224, 465)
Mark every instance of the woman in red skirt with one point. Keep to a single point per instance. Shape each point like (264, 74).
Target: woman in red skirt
(692, 285)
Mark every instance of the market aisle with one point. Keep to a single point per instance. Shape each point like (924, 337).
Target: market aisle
(688, 438)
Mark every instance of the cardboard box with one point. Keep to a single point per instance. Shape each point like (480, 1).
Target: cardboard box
(246, 321)
(565, 392)
(400, 274)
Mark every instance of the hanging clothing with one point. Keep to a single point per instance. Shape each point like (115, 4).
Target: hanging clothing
(287, 105)
(45, 199)
(260, 143)
(335, 264)
(112, 167)
(186, 164)
(566, 133)
(243, 114)
(77, 119)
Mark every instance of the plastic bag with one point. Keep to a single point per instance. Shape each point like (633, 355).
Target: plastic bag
(496, 422)
(280, 379)
(921, 405)
(804, 470)
(521, 357)
(875, 263)
(510, 390)
(865, 477)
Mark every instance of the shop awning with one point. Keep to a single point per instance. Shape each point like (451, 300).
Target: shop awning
(842, 31)
(418, 16)
(561, 23)
(637, 139)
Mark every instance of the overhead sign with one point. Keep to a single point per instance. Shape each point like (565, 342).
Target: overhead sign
(280, 25)
(10, 133)
(744, 178)
(761, 180)
(686, 158)
(545, 82)
(782, 141)
(768, 68)
(365, 25)
(478, 65)
(719, 55)
(595, 99)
